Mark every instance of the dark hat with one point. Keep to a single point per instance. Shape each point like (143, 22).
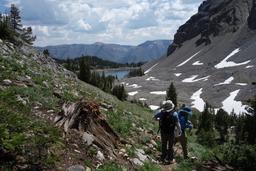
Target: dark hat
(167, 106)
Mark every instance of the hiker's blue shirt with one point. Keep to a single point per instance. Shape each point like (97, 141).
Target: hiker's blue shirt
(183, 122)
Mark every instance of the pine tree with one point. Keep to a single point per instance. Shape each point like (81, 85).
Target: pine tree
(27, 35)
(15, 19)
(171, 94)
(84, 71)
(222, 121)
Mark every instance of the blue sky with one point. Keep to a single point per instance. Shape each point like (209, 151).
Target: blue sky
(110, 21)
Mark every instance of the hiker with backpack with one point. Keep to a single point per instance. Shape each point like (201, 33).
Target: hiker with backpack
(168, 119)
(183, 115)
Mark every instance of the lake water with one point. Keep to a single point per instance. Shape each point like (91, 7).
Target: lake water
(119, 73)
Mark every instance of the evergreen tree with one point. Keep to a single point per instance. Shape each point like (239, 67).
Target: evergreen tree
(27, 35)
(171, 94)
(46, 52)
(15, 19)
(84, 71)
(205, 132)
(250, 125)
(222, 123)
(119, 92)
(5, 32)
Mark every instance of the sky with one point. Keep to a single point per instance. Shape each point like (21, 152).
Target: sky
(128, 22)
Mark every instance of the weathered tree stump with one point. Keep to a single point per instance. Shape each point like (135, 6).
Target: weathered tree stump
(86, 117)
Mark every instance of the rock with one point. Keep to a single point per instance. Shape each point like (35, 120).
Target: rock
(153, 142)
(76, 168)
(20, 99)
(88, 169)
(1, 41)
(133, 125)
(88, 138)
(140, 154)
(100, 156)
(7, 82)
(45, 84)
(122, 150)
(137, 162)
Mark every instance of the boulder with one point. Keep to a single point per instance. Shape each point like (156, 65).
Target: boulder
(100, 156)
(137, 162)
(88, 138)
(76, 168)
(7, 82)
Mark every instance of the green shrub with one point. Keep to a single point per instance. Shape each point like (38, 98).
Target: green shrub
(148, 166)
(109, 167)
(241, 157)
(121, 123)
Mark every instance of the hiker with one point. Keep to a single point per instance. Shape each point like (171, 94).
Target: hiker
(183, 115)
(168, 119)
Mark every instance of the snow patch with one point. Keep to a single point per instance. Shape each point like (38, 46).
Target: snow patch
(230, 104)
(150, 68)
(134, 86)
(193, 79)
(153, 107)
(158, 92)
(152, 79)
(177, 74)
(132, 93)
(249, 66)
(142, 99)
(224, 63)
(183, 63)
(198, 102)
(242, 84)
(197, 63)
(227, 81)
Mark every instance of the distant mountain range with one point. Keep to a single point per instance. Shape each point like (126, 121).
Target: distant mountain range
(146, 51)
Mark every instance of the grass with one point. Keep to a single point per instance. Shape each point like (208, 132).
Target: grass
(148, 166)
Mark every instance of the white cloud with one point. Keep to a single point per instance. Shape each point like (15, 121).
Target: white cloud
(115, 21)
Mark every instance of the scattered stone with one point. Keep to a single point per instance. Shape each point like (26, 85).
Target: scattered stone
(153, 142)
(122, 150)
(100, 156)
(88, 138)
(106, 106)
(20, 99)
(133, 125)
(45, 84)
(140, 154)
(1, 41)
(88, 169)
(77, 151)
(76, 168)
(137, 162)
(7, 82)
(50, 111)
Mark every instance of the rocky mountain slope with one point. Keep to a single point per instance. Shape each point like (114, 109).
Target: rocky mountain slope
(50, 120)
(114, 52)
(212, 58)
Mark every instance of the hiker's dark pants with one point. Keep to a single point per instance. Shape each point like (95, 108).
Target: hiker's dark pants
(183, 141)
(167, 146)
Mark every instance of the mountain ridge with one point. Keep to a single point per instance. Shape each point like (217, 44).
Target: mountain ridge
(143, 52)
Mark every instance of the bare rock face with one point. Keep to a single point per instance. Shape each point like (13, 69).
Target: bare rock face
(215, 17)
(87, 119)
(252, 17)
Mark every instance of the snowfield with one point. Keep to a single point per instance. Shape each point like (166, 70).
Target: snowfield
(132, 93)
(142, 99)
(177, 74)
(230, 104)
(152, 79)
(249, 66)
(158, 92)
(198, 102)
(227, 81)
(150, 68)
(242, 84)
(134, 86)
(197, 63)
(224, 63)
(183, 63)
(193, 79)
